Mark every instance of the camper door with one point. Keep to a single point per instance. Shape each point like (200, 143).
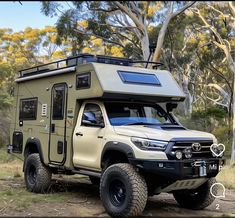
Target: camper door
(57, 138)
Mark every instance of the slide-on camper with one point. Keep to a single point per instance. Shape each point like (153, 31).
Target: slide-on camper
(105, 118)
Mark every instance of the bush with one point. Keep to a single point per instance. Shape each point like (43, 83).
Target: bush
(4, 128)
(224, 136)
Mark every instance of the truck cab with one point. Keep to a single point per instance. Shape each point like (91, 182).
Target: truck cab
(104, 118)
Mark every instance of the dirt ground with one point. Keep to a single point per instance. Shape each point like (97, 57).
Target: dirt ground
(79, 198)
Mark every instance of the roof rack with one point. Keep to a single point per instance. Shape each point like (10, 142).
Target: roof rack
(80, 59)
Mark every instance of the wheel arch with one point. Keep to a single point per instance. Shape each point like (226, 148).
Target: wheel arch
(116, 152)
(33, 145)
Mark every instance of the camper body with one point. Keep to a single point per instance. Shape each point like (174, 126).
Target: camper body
(113, 123)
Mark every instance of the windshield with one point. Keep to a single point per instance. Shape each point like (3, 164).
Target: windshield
(120, 113)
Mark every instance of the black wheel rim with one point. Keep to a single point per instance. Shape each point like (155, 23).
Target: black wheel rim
(117, 192)
(32, 174)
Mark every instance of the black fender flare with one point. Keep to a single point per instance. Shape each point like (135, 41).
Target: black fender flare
(37, 143)
(118, 146)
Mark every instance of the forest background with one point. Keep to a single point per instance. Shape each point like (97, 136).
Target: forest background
(194, 40)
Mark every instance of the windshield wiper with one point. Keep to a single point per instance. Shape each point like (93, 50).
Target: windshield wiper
(139, 123)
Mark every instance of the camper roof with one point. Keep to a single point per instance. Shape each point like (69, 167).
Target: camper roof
(119, 80)
(78, 60)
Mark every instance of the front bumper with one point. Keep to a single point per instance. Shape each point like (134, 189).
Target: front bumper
(180, 169)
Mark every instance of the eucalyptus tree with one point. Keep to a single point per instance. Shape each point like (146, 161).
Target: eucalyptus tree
(122, 23)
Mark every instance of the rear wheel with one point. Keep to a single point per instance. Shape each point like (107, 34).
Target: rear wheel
(123, 191)
(196, 199)
(37, 176)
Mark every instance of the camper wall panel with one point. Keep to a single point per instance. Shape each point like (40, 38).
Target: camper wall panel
(28, 109)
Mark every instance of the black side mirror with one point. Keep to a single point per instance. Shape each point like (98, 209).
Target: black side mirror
(171, 106)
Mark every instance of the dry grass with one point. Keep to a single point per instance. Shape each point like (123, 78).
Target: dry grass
(10, 170)
(227, 177)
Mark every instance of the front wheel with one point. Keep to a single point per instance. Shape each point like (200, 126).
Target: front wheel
(37, 175)
(123, 191)
(196, 199)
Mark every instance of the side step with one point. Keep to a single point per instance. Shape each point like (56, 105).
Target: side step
(76, 171)
(87, 172)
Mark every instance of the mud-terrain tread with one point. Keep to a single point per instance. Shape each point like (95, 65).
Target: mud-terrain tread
(138, 200)
(43, 174)
(199, 202)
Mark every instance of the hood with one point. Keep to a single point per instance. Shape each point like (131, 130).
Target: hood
(155, 132)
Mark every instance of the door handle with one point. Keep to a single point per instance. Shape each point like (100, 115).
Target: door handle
(52, 128)
(78, 133)
(100, 137)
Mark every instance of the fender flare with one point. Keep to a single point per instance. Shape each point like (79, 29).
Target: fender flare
(121, 147)
(37, 143)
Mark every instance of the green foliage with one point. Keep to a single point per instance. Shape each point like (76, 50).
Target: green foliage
(5, 100)
(216, 112)
(5, 157)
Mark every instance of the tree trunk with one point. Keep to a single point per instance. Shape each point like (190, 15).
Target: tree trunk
(231, 65)
(160, 39)
(145, 45)
(232, 68)
(188, 102)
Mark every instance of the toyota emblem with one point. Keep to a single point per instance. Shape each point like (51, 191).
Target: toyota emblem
(196, 146)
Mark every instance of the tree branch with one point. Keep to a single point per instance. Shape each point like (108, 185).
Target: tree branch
(127, 38)
(188, 5)
(221, 13)
(101, 37)
(197, 11)
(147, 9)
(232, 8)
(127, 10)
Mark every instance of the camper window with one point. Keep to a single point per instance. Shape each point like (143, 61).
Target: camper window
(58, 102)
(83, 81)
(139, 78)
(28, 109)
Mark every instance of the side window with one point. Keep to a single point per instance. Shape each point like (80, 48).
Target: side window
(28, 109)
(92, 114)
(83, 81)
(58, 96)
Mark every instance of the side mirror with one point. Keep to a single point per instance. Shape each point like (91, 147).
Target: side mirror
(171, 106)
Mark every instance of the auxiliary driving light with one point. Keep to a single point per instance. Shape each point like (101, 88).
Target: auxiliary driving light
(187, 153)
(178, 155)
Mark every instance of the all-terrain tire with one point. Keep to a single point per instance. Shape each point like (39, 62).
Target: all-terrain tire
(123, 191)
(37, 176)
(94, 180)
(196, 199)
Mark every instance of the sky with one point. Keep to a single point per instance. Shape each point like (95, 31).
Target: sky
(17, 17)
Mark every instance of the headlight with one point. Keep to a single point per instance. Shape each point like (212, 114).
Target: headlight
(147, 144)
(187, 153)
(178, 155)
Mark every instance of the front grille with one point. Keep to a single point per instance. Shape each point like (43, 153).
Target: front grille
(205, 151)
